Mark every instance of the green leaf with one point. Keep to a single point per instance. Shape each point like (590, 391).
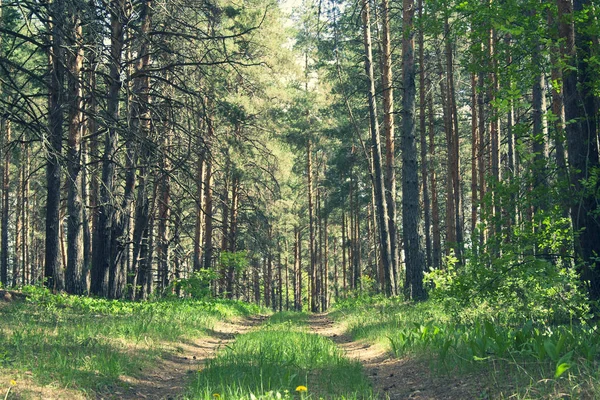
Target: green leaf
(551, 350)
(560, 369)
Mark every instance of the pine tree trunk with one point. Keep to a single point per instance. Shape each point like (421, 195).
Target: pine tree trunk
(474, 149)
(454, 148)
(297, 269)
(581, 132)
(103, 262)
(436, 242)
(52, 264)
(415, 263)
(382, 207)
(311, 222)
(75, 282)
(423, 149)
(388, 127)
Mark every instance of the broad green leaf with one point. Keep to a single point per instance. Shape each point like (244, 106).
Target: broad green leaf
(560, 369)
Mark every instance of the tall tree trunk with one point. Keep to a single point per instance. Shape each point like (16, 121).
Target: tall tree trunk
(454, 147)
(297, 269)
(558, 111)
(423, 135)
(388, 127)
(413, 247)
(52, 265)
(311, 235)
(103, 262)
(511, 150)
(474, 148)
(344, 248)
(25, 218)
(164, 215)
(233, 217)
(75, 281)
(582, 141)
(436, 242)
(198, 232)
(6, 132)
(208, 218)
(540, 130)
(494, 130)
(382, 207)
(448, 128)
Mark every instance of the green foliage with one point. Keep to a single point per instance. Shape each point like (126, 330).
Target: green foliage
(560, 353)
(238, 260)
(197, 285)
(522, 271)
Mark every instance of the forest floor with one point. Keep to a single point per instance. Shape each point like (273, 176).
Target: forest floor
(170, 376)
(172, 373)
(392, 378)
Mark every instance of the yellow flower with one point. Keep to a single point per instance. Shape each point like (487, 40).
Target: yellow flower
(216, 395)
(13, 382)
(301, 389)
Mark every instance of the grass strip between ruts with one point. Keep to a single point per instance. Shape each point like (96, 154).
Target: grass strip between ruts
(280, 360)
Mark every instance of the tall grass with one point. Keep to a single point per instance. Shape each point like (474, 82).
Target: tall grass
(533, 357)
(88, 344)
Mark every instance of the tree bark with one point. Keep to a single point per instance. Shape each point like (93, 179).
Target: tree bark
(388, 127)
(382, 207)
(52, 265)
(582, 142)
(103, 261)
(423, 149)
(75, 282)
(413, 247)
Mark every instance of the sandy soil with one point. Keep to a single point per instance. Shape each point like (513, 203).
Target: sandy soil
(398, 378)
(173, 372)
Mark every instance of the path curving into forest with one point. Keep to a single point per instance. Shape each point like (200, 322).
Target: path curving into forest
(397, 378)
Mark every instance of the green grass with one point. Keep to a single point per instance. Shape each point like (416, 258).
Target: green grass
(273, 361)
(522, 359)
(88, 344)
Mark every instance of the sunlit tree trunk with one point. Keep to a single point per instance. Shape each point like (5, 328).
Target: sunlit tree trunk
(436, 242)
(388, 127)
(382, 207)
(423, 147)
(75, 281)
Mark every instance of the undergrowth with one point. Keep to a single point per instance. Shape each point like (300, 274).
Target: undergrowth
(88, 344)
(525, 359)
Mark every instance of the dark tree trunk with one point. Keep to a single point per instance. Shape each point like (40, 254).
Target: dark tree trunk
(52, 265)
(413, 247)
(75, 281)
(103, 261)
(582, 142)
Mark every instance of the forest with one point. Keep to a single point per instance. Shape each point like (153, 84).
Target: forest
(426, 172)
